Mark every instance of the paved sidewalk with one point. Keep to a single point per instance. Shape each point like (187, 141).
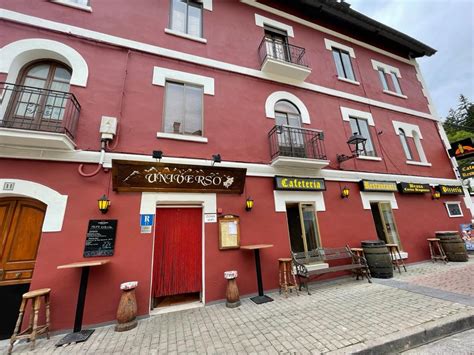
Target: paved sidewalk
(340, 316)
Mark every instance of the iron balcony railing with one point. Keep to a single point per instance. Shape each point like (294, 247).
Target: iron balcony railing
(281, 51)
(36, 109)
(287, 141)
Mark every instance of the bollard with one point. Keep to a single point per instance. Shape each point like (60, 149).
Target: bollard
(127, 308)
(232, 293)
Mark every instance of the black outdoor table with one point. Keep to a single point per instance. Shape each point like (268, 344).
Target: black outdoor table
(261, 298)
(78, 334)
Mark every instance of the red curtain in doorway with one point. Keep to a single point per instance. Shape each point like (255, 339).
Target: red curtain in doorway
(177, 263)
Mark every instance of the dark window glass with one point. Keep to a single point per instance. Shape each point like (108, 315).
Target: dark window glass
(359, 125)
(383, 79)
(183, 109)
(396, 84)
(186, 17)
(405, 145)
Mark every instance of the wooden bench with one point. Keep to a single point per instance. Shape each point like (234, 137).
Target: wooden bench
(301, 261)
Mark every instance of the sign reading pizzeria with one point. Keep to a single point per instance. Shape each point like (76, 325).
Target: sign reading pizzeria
(160, 177)
(378, 186)
(411, 188)
(299, 184)
(450, 190)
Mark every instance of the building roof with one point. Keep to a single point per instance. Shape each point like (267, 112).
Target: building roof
(340, 12)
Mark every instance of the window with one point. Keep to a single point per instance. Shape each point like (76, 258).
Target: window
(276, 42)
(343, 64)
(290, 134)
(361, 126)
(186, 17)
(395, 83)
(383, 80)
(183, 109)
(454, 209)
(386, 71)
(404, 141)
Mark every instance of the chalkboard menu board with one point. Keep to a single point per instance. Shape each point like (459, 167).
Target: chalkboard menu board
(100, 238)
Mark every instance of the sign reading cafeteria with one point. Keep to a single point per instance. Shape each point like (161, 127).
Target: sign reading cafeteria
(450, 190)
(411, 188)
(143, 176)
(378, 186)
(299, 184)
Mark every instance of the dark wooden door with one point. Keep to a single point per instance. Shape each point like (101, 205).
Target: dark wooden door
(177, 263)
(21, 224)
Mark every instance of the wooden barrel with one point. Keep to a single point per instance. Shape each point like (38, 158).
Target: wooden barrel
(378, 259)
(453, 245)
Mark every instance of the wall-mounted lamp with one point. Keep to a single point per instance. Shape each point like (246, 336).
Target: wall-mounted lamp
(104, 204)
(216, 158)
(436, 195)
(248, 204)
(345, 192)
(157, 154)
(356, 145)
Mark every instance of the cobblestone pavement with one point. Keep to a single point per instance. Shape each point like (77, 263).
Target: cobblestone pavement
(459, 344)
(338, 314)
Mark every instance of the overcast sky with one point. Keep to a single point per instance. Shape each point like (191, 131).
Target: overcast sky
(445, 25)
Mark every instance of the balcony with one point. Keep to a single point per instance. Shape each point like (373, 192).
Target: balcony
(283, 59)
(39, 118)
(297, 147)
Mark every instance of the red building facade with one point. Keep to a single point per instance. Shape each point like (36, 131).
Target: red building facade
(272, 87)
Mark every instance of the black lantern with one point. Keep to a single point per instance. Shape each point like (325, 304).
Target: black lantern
(356, 144)
(158, 154)
(248, 204)
(345, 192)
(216, 158)
(104, 204)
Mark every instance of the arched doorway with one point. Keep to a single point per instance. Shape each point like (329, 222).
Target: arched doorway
(21, 221)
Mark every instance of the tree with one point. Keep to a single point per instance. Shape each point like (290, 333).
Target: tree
(459, 123)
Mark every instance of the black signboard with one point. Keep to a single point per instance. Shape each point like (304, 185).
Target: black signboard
(462, 149)
(100, 238)
(299, 184)
(466, 169)
(378, 186)
(412, 188)
(450, 190)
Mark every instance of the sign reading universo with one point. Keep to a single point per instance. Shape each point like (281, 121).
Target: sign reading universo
(378, 186)
(299, 184)
(143, 176)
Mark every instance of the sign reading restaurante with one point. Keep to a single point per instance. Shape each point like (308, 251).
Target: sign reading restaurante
(412, 188)
(143, 176)
(378, 186)
(450, 190)
(299, 184)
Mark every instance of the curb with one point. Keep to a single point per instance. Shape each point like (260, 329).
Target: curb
(413, 337)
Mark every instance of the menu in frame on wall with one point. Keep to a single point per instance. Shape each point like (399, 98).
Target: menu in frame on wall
(100, 238)
(229, 232)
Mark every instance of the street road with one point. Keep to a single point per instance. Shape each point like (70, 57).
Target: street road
(459, 344)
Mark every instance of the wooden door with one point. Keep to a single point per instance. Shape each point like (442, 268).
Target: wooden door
(177, 263)
(21, 224)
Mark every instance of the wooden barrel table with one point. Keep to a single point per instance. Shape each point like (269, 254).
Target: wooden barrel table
(453, 245)
(378, 259)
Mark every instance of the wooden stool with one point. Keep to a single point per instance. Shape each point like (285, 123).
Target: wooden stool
(396, 257)
(286, 277)
(360, 272)
(433, 244)
(33, 329)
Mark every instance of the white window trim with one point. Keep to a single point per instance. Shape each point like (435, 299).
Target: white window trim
(412, 131)
(455, 203)
(206, 4)
(393, 93)
(273, 98)
(369, 157)
(347, 113)
(261, 21)
(72, 4)
(161, 75)
(17, 54)
(330, 44)
(348, 80)
(387, 69)
(368, 197)
(281, 198)
(185, 35)
(181, 137)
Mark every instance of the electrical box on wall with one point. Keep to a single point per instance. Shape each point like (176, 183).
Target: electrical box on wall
(108, 127)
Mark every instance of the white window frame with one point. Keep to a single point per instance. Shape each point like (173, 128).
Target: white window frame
(331, 45)
(162, 75)
(412, 131)
(273, 98)
(388, 70)
(261, 21)
(454, 203)
(72, 4)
